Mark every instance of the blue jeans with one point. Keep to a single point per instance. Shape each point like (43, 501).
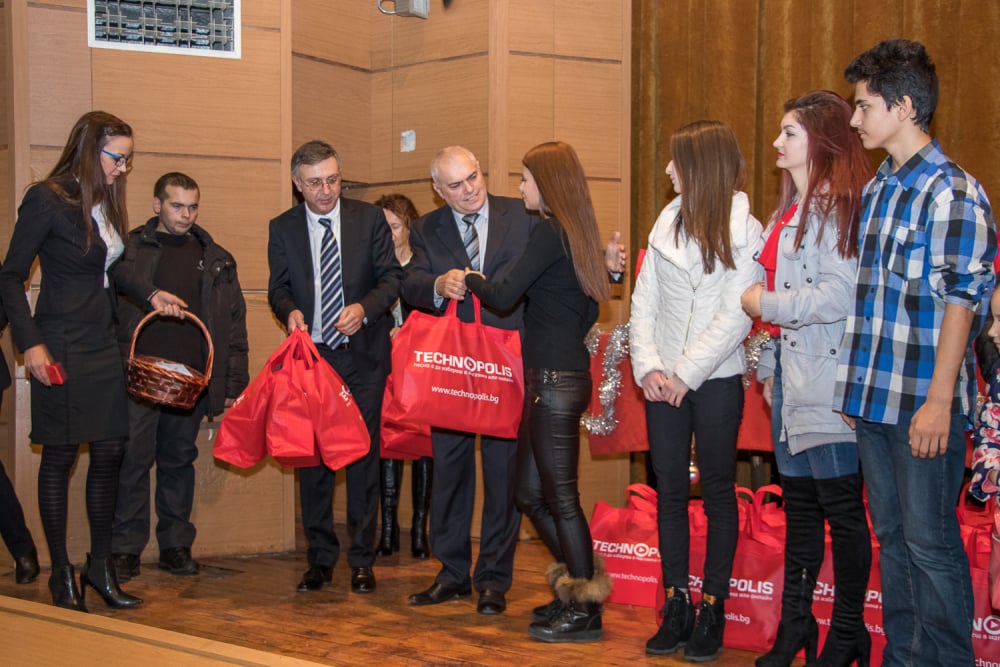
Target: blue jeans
(927, 603)
(823, 462)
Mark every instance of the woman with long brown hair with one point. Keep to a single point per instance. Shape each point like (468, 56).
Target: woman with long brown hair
(563, 276)
(810, 260)
(686, 334)
(73, 221)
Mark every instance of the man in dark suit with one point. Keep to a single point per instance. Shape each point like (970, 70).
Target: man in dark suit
(487, 233)
(334, 274)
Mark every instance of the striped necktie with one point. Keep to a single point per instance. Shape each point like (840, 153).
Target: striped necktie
(331, 281)
(471, 240)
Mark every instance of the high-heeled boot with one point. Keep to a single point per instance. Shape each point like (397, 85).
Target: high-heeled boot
(803, 557)
(848, 640)
(392, 471)
(102, 576)
(423, 472)
(65, 594)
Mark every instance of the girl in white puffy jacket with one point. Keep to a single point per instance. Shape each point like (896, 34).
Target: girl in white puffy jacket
(686, 334)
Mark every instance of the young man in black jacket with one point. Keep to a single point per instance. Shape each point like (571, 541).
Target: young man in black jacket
(178, 256)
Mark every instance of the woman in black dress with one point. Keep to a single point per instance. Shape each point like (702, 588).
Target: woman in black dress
(73, 221)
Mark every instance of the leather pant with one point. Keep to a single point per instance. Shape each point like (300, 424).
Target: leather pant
(547, 461)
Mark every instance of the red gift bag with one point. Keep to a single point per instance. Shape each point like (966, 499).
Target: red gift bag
(340, 432)
(400, 437)
(629, 408)
(242, 434)
(627, 538)
(995, 570)
(291, 440)
(463, 376)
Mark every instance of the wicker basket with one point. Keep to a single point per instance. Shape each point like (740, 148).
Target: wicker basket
(150, 378)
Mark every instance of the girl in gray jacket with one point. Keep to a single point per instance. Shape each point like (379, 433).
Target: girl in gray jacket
(810, 261)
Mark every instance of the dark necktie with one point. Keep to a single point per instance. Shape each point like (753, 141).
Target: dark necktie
(331, 285)
(471, 240)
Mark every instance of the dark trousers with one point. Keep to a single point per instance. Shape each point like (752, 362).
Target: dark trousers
(167, 437)
(712, 415)
(316, 484)
(453, 496)
(547, 466)
(15, 533)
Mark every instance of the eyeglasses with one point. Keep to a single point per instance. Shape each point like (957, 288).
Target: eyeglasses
(315, 184)
(123, 162)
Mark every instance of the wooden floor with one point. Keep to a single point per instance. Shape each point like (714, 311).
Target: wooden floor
(252, 602)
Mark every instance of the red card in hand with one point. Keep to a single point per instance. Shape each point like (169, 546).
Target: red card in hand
(57, 375)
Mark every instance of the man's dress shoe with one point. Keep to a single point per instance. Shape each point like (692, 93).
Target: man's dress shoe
(315, 577)
(362, 580)
(439, 593)
(491, 602)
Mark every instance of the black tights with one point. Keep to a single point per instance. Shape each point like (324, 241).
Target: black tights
(102, 487)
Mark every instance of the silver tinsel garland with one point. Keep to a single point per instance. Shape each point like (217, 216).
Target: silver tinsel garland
(610, 386)
(752, 346)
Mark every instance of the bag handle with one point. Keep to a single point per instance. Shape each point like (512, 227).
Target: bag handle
(641, 497)
(451, 310)
(188, 315)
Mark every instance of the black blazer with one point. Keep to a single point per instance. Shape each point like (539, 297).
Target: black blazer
(371, 275)
(438, 248)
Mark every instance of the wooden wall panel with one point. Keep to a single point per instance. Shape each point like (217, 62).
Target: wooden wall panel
(532, 114)
(461, 29)
(384, 138)
(533, 26)
(589, 28)
(588, 113)
(333, 103)
(174, 111)
(262, 14)
(59, 80)
(427, 100)
(335, 31)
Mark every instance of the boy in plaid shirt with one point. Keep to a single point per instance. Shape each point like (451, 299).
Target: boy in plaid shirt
(906, 376)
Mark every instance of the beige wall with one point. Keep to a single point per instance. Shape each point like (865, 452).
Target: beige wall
(497, 76)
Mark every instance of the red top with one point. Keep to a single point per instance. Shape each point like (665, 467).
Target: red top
(768, 257)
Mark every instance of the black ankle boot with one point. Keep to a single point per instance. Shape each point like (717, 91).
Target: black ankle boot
(101, 575)
(803, 557)
(423, 469)
(546, 611)
(65, 594)
(392, 470)
(578, 618)
(706, 639)
(678, 622)
(575, 622)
